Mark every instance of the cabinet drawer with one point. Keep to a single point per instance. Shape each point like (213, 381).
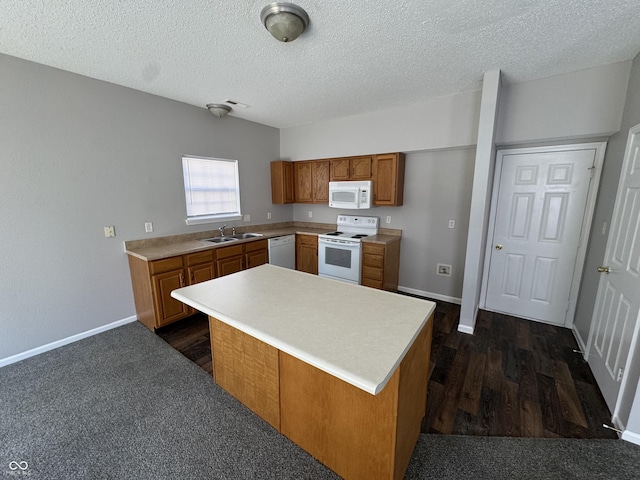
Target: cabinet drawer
(255, 245)
(372, 273)
(367, 282)
(373, 248)
(165, 265)
(373, 260)
(227, 252)
(199, 257)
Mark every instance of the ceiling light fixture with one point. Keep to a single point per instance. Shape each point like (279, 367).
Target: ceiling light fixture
(285, 21)
(219, 109)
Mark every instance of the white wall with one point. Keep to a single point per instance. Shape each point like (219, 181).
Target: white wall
(444, 122)
(480, 201)
(77, 154)
(586, 104)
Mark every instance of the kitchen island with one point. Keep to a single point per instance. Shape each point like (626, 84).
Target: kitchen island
(339, 369)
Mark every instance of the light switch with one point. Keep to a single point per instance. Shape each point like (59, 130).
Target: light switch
(148, 227)
(247, 217)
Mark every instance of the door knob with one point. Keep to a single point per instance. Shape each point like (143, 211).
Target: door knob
(603, 270)
(498, 247)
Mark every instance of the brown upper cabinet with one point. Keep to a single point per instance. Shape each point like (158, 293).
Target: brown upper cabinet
(352, 168)
(308, 181)
(388, 179)
(311, 181)
(282, 182)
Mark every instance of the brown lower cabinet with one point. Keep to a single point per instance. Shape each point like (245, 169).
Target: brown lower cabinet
(307, 253)
(381, 265)
(153, 281)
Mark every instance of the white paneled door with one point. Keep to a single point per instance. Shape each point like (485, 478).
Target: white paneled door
(540, 208)
(618, 299)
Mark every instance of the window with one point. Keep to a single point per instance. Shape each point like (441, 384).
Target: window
(212, 189)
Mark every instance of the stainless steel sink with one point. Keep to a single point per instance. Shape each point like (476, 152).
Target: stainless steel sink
(242, 236)
(219, 239)
(231, 238)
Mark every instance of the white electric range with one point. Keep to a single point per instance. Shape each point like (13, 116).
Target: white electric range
(340, 252)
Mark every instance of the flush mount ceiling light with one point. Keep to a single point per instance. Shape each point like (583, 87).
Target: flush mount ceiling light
(218, 109)
(285, 21)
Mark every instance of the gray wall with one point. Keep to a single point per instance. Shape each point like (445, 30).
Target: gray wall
(437, 189)
(78, 154)
(597, 241)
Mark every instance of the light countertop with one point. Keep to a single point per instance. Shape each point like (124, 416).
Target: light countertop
(355, 333)
(164, 247)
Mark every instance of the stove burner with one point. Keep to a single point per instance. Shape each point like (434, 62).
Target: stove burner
(359, 235)
(334, 234)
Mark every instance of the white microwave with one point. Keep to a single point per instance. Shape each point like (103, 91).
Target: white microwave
(350, 195)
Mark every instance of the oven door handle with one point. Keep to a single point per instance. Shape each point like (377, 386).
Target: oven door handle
(342, 243)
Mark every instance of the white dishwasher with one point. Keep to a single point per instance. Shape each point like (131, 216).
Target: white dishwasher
(282, 251)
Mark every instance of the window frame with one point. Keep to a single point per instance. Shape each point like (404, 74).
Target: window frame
(210, 217)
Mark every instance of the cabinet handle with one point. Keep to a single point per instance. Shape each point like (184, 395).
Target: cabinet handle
(181, 280)
(193, 279)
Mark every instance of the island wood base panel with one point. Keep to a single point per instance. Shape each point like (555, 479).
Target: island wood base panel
(354, 433)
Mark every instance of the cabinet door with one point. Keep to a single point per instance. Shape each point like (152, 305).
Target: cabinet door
(229, 265)
(229, 260)
(361, 168)
(339, 169)
(320, 174)
(303, 182)
(388, 179)
(201, 273)
(307, 253)
(200, 266)
(256, 253)
(168, 308)
(257, 258)
(282, 182)
(289, 189)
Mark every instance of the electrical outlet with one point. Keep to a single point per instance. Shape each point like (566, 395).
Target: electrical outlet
(443, 270)
(247, 217)
(452, 224)
(268, 215)
(310, 214)
(604, 228)
(148, 227)
(109, 231)
(388, 218)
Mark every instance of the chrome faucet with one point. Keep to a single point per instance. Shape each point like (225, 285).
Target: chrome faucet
(222, 230)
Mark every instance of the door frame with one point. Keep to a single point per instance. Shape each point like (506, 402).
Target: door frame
(592, 195)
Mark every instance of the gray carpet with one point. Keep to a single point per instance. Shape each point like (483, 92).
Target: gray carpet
(123, 404)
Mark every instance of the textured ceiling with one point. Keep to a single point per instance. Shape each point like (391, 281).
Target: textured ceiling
(356, 56)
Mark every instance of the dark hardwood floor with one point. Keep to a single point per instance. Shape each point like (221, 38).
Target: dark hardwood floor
(512, 377)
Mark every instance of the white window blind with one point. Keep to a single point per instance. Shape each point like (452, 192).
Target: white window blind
(212, 189)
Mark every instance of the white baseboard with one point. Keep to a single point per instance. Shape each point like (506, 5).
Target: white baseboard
(65, 341)
(435, 296)
(631, 437)
(581, 344)
(465, 329)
